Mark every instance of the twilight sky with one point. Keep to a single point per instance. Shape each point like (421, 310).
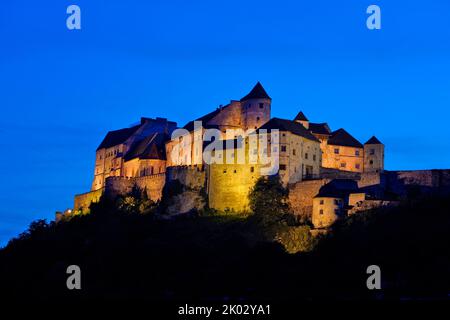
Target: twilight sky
(62, 90)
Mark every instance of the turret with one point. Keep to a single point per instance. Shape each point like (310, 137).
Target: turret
(301, 118)
(255, 108)
(373, 155)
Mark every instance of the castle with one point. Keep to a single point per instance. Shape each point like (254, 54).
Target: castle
(329, 173)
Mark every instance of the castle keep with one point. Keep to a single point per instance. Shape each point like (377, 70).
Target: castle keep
(329, 173)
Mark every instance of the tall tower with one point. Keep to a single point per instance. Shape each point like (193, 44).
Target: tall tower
(373, 155)
(255, 108)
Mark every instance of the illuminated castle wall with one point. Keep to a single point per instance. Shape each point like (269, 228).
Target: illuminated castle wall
(143, 154)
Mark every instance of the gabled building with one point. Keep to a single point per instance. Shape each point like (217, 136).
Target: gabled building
(342, 151)
(146, 157)
(299, 151)
(112, 151)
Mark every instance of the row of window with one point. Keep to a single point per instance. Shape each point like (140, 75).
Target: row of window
(248, 106)
(357, 165)
(283, 149)
(252, 169)
(336, 211)
(110, 154)
(344, 165)
(357, 153)
(336, 201)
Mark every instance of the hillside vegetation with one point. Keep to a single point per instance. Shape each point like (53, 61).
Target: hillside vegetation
(124, 253)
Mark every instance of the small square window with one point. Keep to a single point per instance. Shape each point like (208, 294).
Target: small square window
(314, 157)
(293, 152)
(321, 211)
(261, 105)
(336, 150)
(343, 165)
(282, 167)
(372, 151)
(321, 202)
(356, 152)
(306, 155)
(283, 148)
(252, 169)
(357, 166)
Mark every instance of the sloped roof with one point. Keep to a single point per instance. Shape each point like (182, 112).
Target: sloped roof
(152, 147)
(338, 188)
(343, 138)
(204, 119)
(301, 117)
(257, 92)
(373, 140)
(319, 128)
(288, 125)
(116, 137)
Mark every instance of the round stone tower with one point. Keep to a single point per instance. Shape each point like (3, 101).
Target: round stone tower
(255, 108)
(373, 155)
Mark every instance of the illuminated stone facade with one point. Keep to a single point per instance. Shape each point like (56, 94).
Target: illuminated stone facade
(143, 141)
(341, 151)
(155, 151)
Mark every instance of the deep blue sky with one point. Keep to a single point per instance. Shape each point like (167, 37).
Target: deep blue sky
(61, 90)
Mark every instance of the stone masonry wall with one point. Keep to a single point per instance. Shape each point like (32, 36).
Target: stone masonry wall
(121, 185)
(301, 195)
(425, 181)
(83, 201)
(191, 199)
(229, 186)
(329, 173)
(370, 179)
(366, 205)
(191, 177)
